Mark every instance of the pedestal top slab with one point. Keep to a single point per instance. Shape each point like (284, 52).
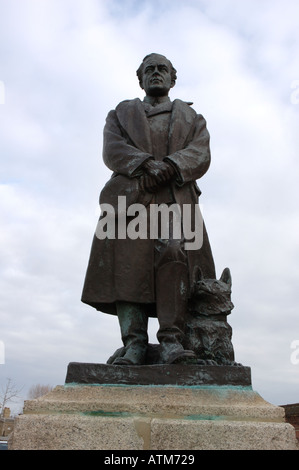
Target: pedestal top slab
(184, 375)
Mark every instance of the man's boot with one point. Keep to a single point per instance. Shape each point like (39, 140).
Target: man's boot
(171, 302)
(133, 323)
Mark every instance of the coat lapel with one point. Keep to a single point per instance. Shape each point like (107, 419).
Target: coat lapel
(182, 121)
(132, 118)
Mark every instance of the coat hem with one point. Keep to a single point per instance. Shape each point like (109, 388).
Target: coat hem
(110, 307)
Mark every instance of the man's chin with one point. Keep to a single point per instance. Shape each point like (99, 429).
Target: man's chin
(158, 91)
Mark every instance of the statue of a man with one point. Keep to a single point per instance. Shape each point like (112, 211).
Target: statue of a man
(157, 149)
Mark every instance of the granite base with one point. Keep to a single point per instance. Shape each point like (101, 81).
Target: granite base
(152, 417)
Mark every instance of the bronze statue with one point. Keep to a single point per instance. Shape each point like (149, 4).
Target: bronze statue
(156, 149)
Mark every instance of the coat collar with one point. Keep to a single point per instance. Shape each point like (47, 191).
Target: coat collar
(132, 118)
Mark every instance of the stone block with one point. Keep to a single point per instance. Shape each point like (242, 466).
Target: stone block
(156, 417)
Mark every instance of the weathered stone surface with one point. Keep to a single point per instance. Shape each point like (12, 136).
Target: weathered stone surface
(160, 401)
(152, 418)
(82, 373)
(221, 435)
(74, 432)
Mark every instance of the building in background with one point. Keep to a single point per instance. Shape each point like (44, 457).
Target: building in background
(6, 424)
(292, 416)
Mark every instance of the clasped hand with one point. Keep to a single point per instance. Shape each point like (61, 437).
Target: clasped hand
(156, 174)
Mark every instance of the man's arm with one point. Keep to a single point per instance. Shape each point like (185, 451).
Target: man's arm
(119, 155)
(124, 158)
(193, 161)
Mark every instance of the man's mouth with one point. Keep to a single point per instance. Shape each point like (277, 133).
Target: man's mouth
(156, 79)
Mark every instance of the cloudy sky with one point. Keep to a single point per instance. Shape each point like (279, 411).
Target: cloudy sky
(63, 65)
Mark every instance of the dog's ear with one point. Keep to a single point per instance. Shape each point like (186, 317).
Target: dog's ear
(226, 277)
(199, 276)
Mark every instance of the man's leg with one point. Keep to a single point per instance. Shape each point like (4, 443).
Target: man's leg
(133, 322)
(172, 287)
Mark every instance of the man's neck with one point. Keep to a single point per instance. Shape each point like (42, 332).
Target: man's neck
(155, 100)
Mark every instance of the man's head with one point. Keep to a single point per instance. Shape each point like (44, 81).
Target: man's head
(156, 75)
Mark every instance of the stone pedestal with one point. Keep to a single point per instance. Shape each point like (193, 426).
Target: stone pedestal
(123, 416)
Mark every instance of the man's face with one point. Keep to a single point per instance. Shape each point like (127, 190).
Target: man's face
(156, 80)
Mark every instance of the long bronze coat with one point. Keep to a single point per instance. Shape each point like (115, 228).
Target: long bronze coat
(124, 269)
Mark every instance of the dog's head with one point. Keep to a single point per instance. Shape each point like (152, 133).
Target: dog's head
(213, 296)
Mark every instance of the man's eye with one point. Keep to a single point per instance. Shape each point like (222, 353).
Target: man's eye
(149, 69)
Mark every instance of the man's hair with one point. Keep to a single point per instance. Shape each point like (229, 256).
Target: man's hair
(139, 72)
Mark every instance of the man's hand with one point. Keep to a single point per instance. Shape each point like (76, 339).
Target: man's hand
(157, 173)
(150, 184)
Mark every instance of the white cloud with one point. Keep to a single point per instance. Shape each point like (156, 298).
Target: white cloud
(65, 64)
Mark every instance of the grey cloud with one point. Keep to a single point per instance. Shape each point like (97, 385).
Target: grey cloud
(62, 75)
